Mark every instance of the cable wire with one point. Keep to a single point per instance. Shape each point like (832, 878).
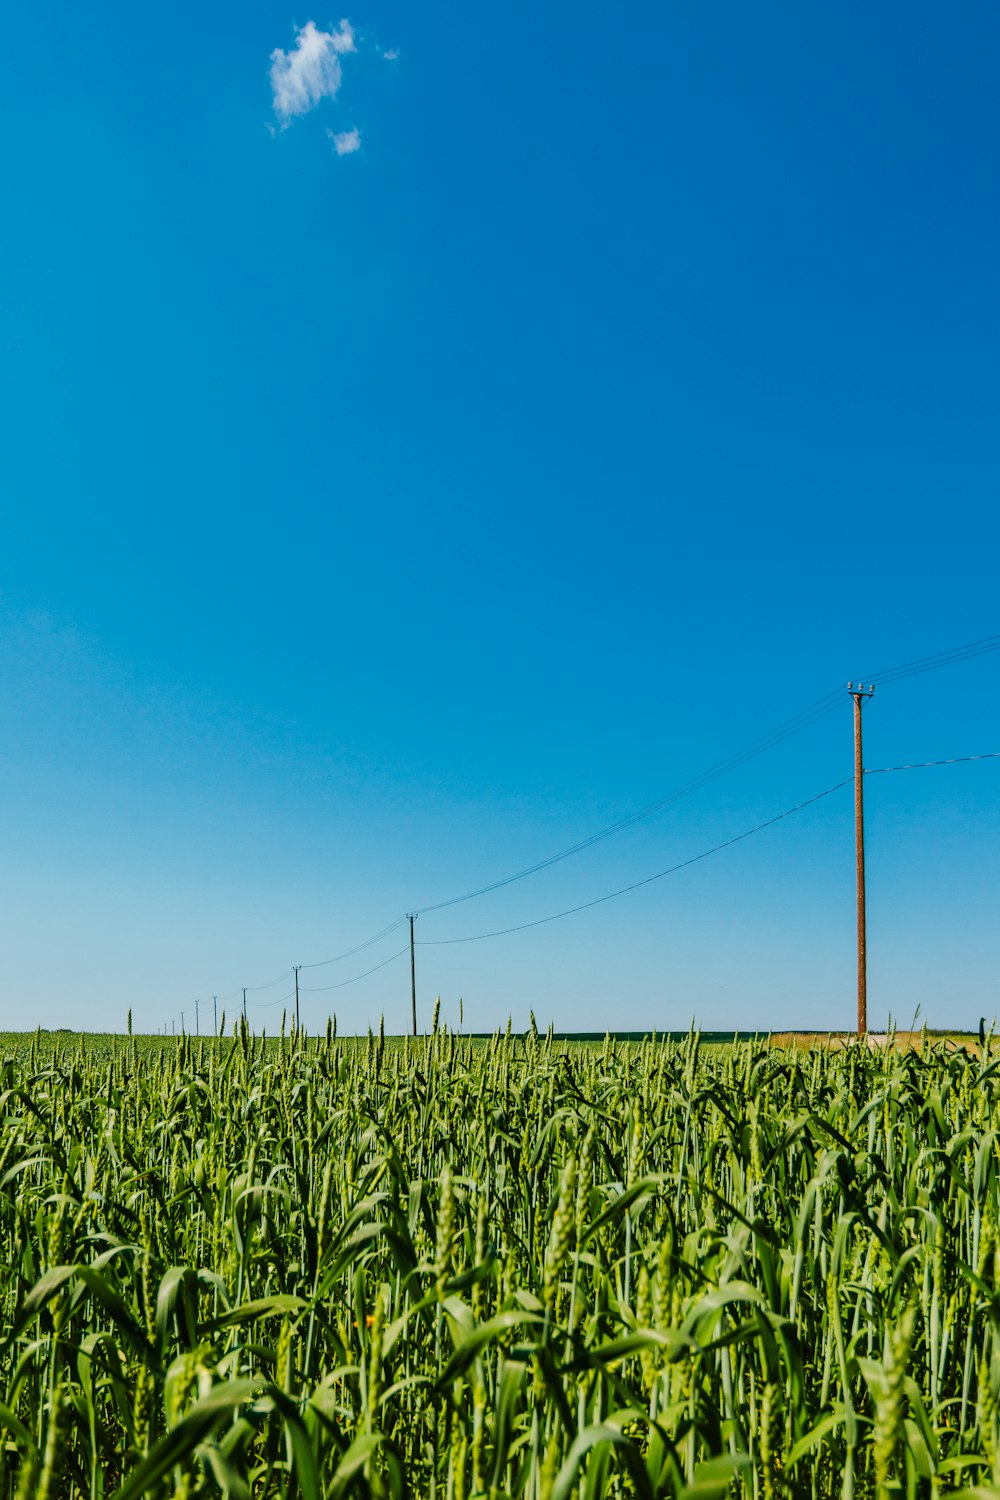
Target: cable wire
(377, 938)
(637, 884)
(253, 988)
(803, 720)
(266, 1004)
(922, 765)
(795, 725)
(939, 659)
(800, 721)
(320, 989)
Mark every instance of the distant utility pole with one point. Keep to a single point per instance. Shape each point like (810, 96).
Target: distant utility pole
(215, 1015)
(244, 1005)
(297, 967)
(413, 974)
(197, 1025)
(859, 693)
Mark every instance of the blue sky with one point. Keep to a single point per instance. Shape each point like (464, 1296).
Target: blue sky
(378, 523)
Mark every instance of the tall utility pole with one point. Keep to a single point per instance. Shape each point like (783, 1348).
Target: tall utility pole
(197, 1029)
(413, 974)
(244, 1005)
(215, 1014)
(859, 693)
(297, 967)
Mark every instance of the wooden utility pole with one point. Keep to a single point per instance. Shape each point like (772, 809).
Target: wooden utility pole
(859, 693)
(297, 967)
(215, 1015)
(244, 1005)
(413, 975)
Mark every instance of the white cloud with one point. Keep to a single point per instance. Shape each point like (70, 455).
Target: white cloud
(346, 141)
(310, 71)
(391, 54)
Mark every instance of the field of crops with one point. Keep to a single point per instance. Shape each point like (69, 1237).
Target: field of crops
(322, 1268)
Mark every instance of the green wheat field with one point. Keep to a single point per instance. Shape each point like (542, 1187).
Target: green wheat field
(310, 1267)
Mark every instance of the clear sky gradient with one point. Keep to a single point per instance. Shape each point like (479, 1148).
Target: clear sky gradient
(425, 443)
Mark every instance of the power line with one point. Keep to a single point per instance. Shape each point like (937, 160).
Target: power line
(611, 895)
(828, 704)
(266, 1004)
(625, 889)
(320, 989)
(922, 765)
(939, 659)
(803, 720)
(368, 943)
(253, 988)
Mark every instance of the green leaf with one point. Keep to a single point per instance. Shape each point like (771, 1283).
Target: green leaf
(249, 1312)
(484, 1333)
(25, 1439)
(591, 1440)
(181, 1441)
(353, 1461)
(815, 1435)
